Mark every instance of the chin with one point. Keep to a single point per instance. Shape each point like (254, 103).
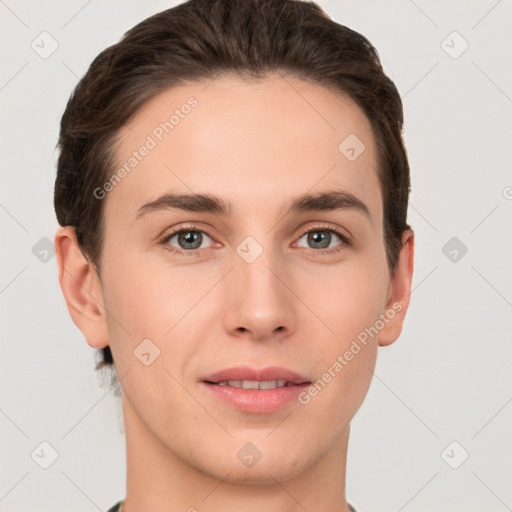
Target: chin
(271, 463)
(266, 474)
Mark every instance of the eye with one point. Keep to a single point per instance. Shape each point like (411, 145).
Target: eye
(320, 238)
(187, 240)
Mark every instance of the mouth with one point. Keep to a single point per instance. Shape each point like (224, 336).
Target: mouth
(256, 391)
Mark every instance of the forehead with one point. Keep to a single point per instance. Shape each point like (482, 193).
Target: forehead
(253, 141)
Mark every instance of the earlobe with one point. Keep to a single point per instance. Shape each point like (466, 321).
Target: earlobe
(81, 287)
(400, 292)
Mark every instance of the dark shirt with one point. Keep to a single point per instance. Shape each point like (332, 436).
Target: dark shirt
(115, 508)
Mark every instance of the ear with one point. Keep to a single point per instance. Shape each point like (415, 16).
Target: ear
(399, 292)
(81, 287)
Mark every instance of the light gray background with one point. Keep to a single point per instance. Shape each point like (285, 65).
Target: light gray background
(446, 379)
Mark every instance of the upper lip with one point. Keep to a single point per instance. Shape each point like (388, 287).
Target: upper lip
(263, 374)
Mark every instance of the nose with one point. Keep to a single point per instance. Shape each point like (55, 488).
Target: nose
(260, 302)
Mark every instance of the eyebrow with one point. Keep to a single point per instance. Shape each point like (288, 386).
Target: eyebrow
(332, 200)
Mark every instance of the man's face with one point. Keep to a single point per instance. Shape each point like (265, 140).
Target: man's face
(256, 287)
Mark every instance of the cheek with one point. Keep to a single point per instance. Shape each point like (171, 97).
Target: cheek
(149, 299)
(343, 302)
(348, 304)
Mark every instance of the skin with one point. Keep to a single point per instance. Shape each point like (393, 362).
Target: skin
(258, 144)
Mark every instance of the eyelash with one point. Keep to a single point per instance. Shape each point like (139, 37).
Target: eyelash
(321, 227)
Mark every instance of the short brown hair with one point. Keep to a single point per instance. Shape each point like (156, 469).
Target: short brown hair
(198, 40)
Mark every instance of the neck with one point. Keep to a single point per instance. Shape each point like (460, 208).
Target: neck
(159, 481)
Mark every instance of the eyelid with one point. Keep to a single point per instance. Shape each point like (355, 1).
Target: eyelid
(322, 225)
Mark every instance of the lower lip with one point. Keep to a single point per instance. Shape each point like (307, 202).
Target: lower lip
(257, 401)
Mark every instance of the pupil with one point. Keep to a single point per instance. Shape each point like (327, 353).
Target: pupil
(319, 236)
(189, 237)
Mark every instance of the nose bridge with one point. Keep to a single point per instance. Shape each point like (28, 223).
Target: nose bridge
(260, 301)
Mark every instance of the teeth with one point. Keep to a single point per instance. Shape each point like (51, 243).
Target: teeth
(270, 384)
(254, 384)
(250, 384)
